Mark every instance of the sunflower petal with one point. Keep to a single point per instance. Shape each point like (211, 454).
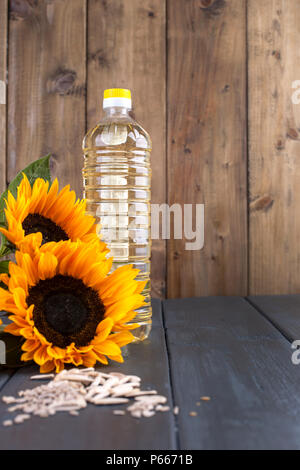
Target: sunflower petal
(118, 358)
(89, 359)
(55, 352)
(12, 329)
(19, 296)
(41, 356)
(47, 367)
(47, 266)
(4, 278)
(103, 330)
(107, 347)
(123, 338)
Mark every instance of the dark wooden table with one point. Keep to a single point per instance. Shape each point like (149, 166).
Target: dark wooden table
(236, 351)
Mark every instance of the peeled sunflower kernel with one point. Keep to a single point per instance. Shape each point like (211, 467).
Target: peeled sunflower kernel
(72, 390)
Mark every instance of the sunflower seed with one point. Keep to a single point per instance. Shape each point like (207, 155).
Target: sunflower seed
(162, 408)
(111, 382)
(148, 413)
(133, 378)
(136, 414)
(152, 399)
(104, 375)
(21, 418)
(15, 408)
(99, 395)
(110, 401)
(176, 410)
(72, 389)
(8, 422)
(137, 393)
(66, 408)
(119, 412)
(125, 380)
(78, 378)
(118, 375)
(121, 390)
(99, 380)
(8, 400)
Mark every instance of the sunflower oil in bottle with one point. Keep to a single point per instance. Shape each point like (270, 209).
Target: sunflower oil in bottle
(116, 179)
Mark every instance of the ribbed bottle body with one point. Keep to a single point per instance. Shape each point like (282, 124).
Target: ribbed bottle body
(117, 180)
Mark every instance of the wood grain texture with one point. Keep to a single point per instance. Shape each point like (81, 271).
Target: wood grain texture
(47, 65)
(223, 348)
(207, 142)
(3, 79)
(274, 146)
(97, 427)
(282, 310)
(126, 48)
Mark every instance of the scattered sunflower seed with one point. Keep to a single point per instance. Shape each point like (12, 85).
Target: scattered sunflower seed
(21, 418)
(205, 398)
(162, 408)
(193, 413)
(8, 422)
(110, 401)
(72, 390)
(8, 400)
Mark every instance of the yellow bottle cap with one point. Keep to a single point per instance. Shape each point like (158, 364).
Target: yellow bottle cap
(117, 97)
(117, 93)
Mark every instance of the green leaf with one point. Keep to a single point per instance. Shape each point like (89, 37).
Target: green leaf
(4, 248)
(4, 266)
(37, 169)
(13, 349)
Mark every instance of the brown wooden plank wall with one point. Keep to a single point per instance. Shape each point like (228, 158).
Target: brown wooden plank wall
(211, 82)
(274, 147)
(3, 82)
(207, 143)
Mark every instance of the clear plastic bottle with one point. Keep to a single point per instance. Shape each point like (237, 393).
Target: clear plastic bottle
(117, 178)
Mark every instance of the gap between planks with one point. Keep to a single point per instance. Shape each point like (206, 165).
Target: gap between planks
(175, 417)
(271, 322)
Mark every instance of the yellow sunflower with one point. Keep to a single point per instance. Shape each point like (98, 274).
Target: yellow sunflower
(43, 209)
(67, 307)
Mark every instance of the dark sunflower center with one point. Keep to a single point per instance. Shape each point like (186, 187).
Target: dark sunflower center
(66, 310)
(51, 232)
(65, 313)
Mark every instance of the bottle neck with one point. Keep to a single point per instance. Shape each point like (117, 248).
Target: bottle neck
(116, 111)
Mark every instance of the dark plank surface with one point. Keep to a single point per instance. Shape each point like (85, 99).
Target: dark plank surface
(97, 427)
(223, 348)
(282, 310)
(5, 375)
